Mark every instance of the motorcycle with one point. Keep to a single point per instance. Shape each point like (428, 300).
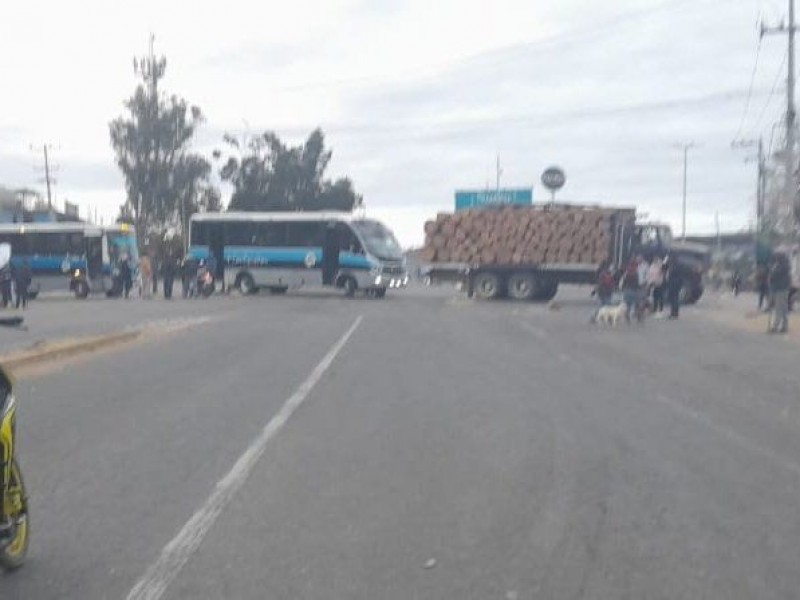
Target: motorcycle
(205, 282)
(14, 526)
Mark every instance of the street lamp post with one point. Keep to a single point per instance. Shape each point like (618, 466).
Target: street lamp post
(686, 148)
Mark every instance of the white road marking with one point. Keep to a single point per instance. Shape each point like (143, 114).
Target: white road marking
(177, 552)
(729, 434)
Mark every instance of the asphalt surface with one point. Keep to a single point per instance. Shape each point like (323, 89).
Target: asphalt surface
(452, 449)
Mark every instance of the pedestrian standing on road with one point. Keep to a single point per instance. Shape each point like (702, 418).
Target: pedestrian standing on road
(655, 282)
(780, 280)
(5, 284)
(22, 281)
(155, 267)
(189, 274)
(736, 283)
(126, 275)
(762, 285)
(169, 269)
(146, 271)
(604, 289)
(631, 290)
(674, 283)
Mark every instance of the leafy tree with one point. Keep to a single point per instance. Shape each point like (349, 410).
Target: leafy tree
(164, 180)
(268, 175)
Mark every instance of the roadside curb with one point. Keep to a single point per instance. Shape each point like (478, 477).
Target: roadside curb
(66, 348)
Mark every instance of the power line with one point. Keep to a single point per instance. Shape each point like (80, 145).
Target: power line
(749, 91)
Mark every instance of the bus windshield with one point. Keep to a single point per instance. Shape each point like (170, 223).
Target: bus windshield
(121, 243)
(378, 240)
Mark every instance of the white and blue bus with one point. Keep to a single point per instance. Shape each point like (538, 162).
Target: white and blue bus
(70, 256)
(282, 251)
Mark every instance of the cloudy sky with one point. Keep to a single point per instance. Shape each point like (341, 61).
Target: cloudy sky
(417, 98)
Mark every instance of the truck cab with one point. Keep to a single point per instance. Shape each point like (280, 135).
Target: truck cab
(655, 241)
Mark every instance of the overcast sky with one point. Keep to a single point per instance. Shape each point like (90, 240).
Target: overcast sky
(417, 98)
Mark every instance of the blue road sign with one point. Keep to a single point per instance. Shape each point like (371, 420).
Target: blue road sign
(466, 199)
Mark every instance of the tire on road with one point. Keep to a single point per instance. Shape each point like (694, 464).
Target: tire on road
(487, 286)
(245, 284)
(546, 292)
(521, 286)
(80, 289)
(348, 284)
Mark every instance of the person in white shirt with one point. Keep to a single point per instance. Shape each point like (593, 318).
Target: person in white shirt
(655, 282)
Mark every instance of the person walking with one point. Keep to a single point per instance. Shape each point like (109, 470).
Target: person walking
(736, 283)
(169, 269)
(604, 289)
(22, 281)
(674, 283)
(762, 285)
(126, 275)
(189, 273)
(146, 272)
(655, 282)
(631, 290)
(780, 280)
(5, 284)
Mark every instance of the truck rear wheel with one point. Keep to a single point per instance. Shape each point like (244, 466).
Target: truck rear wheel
(546, 292)
(486, 286)
(521, 286)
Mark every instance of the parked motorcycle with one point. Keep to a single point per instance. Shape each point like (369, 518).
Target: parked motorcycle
(14, 525)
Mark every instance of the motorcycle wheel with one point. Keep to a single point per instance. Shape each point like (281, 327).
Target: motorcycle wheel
(13, 553)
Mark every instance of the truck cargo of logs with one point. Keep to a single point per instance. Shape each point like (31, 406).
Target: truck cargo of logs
(514, 235)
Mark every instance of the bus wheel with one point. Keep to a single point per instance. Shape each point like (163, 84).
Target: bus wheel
(81, 289)
(245, 284)
(350, 286)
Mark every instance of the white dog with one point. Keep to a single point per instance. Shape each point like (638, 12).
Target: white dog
(610, 315)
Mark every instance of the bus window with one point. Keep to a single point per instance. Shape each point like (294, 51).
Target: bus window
(239, 233)
(199, 233)
(348, 242)
(270, 233)
(304, 234)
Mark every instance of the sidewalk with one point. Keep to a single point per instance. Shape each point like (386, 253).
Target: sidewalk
(741, 312)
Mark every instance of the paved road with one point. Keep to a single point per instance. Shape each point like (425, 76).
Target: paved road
(450, 449)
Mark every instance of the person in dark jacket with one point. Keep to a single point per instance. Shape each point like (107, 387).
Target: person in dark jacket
(762, 285)
(22, 281)
(780, 280)
(170, 268)
(5, 284)
(189, 274)
(604, 290)
(126, 275)
(631, 288)
(674, 280)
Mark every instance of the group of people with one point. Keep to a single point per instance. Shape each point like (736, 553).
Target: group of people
(172, 267)
(16, 279)
(644, 284)
(774, 285)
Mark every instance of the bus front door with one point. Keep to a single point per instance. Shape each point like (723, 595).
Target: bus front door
(94, 258)
(330, 255)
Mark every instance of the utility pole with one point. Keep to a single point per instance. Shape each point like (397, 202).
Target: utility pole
(47, 177)
(790, 185)
(686, 147)
(761, 180)
(499, 172)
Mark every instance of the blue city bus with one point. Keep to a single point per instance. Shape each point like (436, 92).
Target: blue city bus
(78, 257)
(282, 251)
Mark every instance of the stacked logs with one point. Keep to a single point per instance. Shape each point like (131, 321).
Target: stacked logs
(514, 235)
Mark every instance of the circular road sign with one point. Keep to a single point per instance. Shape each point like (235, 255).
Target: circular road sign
(554, 178)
